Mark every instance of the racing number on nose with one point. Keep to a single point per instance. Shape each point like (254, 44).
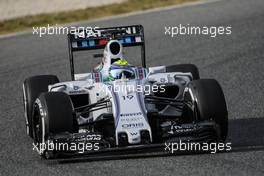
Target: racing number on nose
(128, 97)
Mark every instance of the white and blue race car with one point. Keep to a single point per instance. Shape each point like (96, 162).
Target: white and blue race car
(119, 107)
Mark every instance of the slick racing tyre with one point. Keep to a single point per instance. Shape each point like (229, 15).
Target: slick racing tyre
(53, 114)
(209, 100)
(32, 87)
(185, 68)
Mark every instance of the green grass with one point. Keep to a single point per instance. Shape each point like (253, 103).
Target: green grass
(26, 23)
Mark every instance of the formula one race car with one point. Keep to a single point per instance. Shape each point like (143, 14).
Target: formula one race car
(118, 107)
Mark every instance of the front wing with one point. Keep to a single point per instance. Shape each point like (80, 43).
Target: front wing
(202, 132)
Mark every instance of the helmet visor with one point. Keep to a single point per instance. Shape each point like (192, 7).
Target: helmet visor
(117, 72)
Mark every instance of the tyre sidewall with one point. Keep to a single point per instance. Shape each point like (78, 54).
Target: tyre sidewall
(210, 103)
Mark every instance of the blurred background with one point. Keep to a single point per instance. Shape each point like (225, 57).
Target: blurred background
(22, 15)
(10, 9)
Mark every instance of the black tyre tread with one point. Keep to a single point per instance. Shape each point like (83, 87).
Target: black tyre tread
(33, 87)
(59, 113)
(211, 103)
(185, 68)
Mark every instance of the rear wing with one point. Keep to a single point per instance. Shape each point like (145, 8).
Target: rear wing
(97, 38)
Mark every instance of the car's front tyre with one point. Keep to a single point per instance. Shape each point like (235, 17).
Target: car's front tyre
(32, 87)
(53, 114)
(208, 98)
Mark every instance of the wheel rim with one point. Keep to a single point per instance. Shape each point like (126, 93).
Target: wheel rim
(37, 126)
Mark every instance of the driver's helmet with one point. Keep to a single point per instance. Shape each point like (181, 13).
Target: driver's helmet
(120, 69)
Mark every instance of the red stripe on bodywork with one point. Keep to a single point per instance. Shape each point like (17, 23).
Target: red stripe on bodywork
(96, 77)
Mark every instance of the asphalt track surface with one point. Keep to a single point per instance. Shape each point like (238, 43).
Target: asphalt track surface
(236, 61)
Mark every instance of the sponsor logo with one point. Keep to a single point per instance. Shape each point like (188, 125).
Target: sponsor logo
(88, 137)
(89, 88)
(96, 32)
(132, 125)
(76, 87)
(181, 129)
(133, 133)
(77, 92)
(131, 119)
(131, 114)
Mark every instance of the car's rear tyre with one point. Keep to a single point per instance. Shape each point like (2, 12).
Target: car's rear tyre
(209, 100)
(185, 68)
(53, 114)
(32, 87)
